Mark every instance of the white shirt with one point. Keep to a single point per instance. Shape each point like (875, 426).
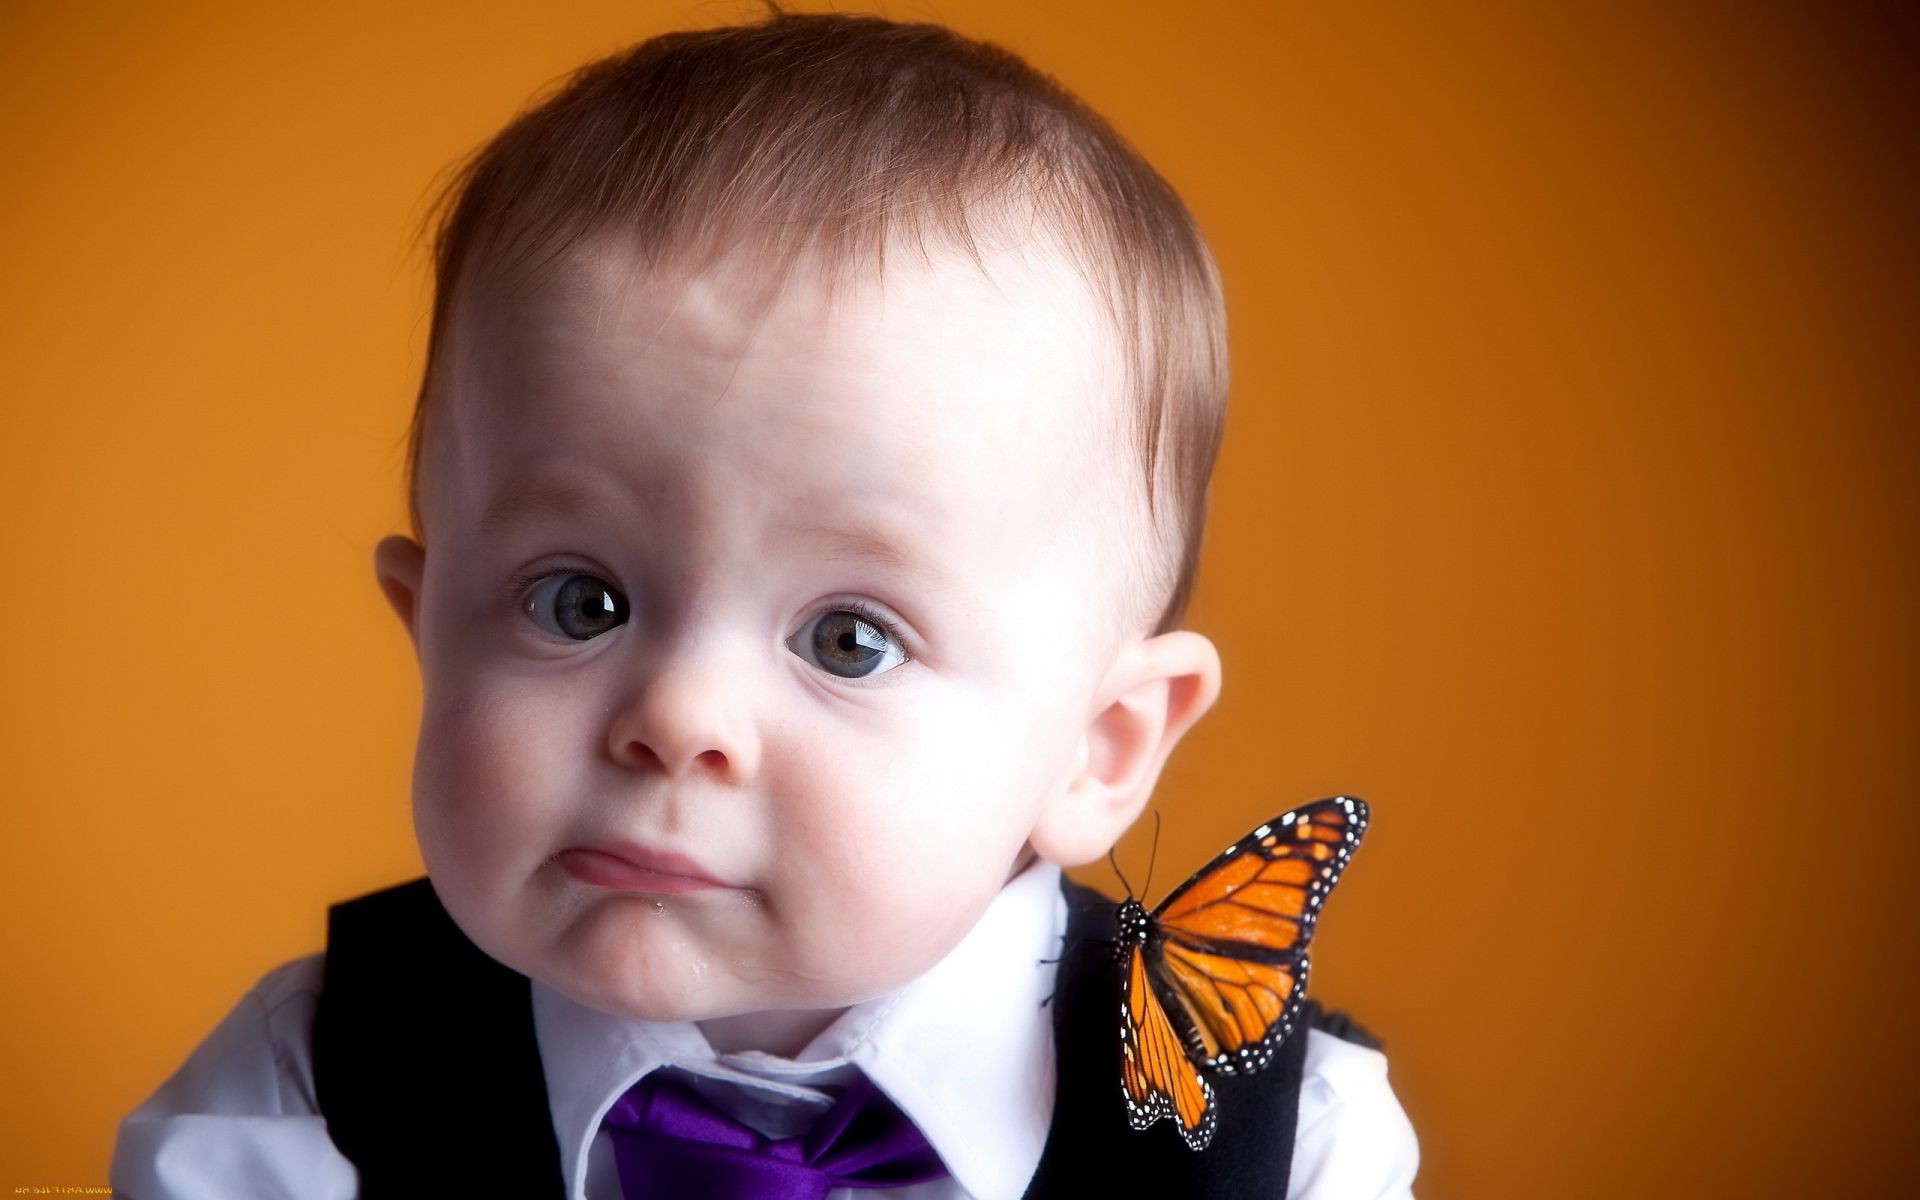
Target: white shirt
(966, 1051)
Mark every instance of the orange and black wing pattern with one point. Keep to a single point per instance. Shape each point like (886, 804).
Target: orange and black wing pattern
(1219, 970)
(1157, 1077)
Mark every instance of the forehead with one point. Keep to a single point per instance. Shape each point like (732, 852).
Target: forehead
(934, 395)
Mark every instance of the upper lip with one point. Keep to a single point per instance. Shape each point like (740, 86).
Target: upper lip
(666, 862)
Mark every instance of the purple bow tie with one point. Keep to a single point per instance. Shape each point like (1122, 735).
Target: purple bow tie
(669, 1143)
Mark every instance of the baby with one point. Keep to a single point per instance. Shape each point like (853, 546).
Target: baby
(807, 483)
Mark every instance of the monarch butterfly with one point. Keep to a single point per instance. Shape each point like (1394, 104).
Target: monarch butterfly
(1214, 977)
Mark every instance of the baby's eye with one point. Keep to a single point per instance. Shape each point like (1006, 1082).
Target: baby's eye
(851, 641)
(576, 605)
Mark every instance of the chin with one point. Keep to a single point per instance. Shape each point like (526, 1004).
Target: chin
(640, 1006)
(649, 983)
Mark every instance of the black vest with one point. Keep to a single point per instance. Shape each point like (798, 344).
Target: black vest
(407, 999)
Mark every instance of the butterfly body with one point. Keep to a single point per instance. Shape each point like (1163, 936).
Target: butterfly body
(1213, 979)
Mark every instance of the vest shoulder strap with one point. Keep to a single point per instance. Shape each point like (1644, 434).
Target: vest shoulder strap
(1092, 1149)
(425, 1063)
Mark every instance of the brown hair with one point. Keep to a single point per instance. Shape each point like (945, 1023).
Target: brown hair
(841, 130)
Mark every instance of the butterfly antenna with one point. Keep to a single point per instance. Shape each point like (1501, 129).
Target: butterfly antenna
(1115, 864)
(1152, 854)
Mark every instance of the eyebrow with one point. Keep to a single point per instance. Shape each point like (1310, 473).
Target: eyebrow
(860, 545)
(525, 500)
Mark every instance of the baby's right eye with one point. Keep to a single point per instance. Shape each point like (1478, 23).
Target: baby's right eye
(576, 605)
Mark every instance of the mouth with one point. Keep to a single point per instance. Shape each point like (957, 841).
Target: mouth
(631, 867)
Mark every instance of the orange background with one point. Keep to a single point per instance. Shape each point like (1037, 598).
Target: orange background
(1564, 513)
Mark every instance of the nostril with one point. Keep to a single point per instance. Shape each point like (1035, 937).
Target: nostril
(638, 753)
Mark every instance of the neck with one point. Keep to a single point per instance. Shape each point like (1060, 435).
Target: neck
(785, 1032)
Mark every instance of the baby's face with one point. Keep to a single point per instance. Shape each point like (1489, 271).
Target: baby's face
(803, 618)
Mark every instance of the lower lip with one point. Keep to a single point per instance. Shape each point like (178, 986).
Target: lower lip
(607, 871)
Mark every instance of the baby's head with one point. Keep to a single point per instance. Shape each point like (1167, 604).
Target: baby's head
(807, 485)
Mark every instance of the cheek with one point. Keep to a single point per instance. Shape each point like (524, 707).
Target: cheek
(893, 858)
(488, 775)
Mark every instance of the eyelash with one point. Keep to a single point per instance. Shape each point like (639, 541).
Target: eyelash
(518, 585)
(871, 617)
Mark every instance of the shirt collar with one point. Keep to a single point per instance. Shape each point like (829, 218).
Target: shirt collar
(965, 1050)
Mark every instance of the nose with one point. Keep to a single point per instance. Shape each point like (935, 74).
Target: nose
(686, 713)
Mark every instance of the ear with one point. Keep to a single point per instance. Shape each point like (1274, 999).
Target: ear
(399, 563)
(1155, 692)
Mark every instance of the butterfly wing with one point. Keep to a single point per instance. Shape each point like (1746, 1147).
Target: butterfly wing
(1228, 948)
(1158, 1079)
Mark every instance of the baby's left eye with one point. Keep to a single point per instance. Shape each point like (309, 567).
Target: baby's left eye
(851, 641)
(576, 605)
